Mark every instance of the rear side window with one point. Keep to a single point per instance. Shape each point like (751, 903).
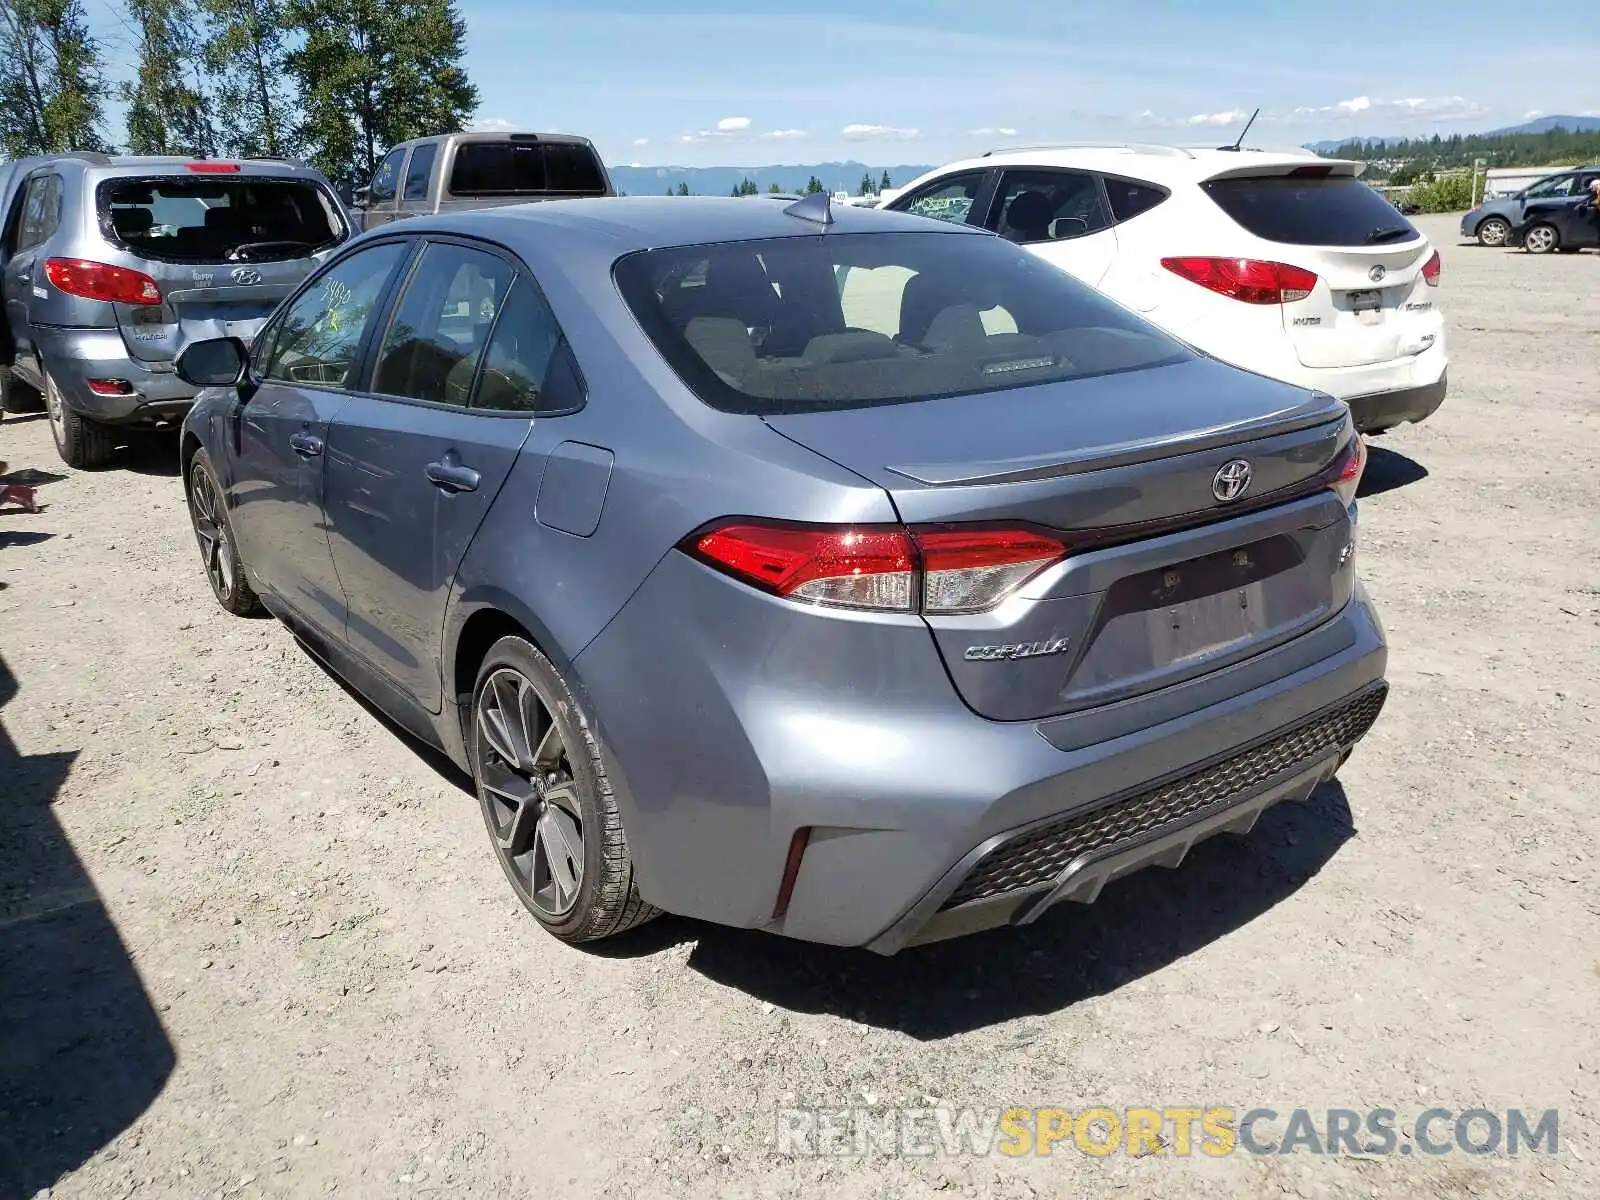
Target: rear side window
(525, 169)
(212, 220)
(439, 329)
(1334, 210)
(1049, 206)
(1129, 199)
(419, 170)
(798, 324)
(519, 356)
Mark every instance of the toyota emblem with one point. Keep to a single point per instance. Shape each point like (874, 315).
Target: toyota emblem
(1377, 273)
(245, 275)
(1231, 481)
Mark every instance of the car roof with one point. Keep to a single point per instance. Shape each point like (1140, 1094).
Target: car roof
(623, 224)
(1157, 163)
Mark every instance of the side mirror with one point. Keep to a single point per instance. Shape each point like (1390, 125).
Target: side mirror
(361, 195)
(217, 362)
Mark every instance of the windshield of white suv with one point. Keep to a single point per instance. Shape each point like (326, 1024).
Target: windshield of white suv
(796, 324)
(218, 220)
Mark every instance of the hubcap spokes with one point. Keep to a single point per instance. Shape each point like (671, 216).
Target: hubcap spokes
(52, 404)
(212, 535)
(529, 794)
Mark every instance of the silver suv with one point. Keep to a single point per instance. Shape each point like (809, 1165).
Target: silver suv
(113, 264)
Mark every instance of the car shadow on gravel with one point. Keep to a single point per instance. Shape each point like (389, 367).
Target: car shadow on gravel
(149, 454)
(1387, 470)
(1073, 953)
(82, 1052)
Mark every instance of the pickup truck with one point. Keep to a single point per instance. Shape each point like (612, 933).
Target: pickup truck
(454, 172)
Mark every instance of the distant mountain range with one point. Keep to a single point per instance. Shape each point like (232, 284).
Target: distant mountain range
(720, 181)
(1541, 125)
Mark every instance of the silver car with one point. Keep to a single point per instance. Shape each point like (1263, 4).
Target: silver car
(113, 264)
(849, 575)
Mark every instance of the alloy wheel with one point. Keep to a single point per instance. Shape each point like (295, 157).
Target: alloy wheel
(57, 410)
(1493, 232)
(211, 531)
(1540, 238)
(528, 793)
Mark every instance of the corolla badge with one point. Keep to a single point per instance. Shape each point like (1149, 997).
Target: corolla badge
(1231, 481)
(1016, 650)
(245, 275)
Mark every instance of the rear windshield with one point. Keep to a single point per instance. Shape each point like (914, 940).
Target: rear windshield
(797, 324)
(218, 220)
(526, 168)
(1338, 210)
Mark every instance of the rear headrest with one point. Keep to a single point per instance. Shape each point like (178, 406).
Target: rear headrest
(1031, 212)
(221, 217)
(130, 222)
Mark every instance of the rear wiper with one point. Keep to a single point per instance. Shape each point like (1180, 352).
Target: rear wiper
(1388, 233)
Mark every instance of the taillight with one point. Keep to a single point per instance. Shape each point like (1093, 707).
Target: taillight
(1343, 474)
(1248, 280)
(886, 568)
(1431, 269)
(101, 281)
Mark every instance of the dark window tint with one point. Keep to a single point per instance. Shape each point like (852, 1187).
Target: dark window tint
(1335, 210)
(420, 168)
(1049, 206)
(321, 332)
(216, 220)
(387, 181)
(946, 199)
(41, 211)
(438, 331)
(796, 324)
(514, 369)
(1129, 199)
(525, 168)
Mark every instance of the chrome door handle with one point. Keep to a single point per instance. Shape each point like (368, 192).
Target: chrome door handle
(305, 445)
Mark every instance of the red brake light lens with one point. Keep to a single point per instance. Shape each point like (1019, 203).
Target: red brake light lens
(1343, 474)
(1248, 280)
(879, 567)
(212, 168)
(1431, 269)
(101, 281)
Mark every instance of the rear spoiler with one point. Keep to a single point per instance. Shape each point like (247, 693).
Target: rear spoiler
(1310, 168)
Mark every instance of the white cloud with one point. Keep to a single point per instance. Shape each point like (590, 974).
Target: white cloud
(733, 124)
(1533, 114)
(641, 141)
(862, 133)
(491, 125)
(694, 139)
(782, 135)
(1232, 117)
(1369, 109)
(994, 131)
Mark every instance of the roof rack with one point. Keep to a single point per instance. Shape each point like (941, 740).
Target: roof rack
(1136, 147)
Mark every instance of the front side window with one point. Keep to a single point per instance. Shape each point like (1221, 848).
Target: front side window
(320, 335)
(1050, 206)
(437, 334)
(946, 199)
(41, 211)
(419, 170)
(803, 323)
(387, 180)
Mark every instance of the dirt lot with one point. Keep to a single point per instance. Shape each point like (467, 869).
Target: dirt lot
(253, 943)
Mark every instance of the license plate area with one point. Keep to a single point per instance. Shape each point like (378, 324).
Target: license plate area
(1175, 620)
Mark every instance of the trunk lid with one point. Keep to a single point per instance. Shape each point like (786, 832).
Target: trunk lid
(208, 301)
(1162, 581)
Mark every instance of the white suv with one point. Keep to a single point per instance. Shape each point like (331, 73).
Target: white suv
(1280, 262)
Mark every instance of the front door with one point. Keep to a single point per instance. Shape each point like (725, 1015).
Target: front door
(38, 213)
(1059, 215)
(306, 364)
(383, 194)
(416, 461)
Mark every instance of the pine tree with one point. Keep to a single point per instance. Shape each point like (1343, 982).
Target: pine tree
(51, 79)
(683, 190)
(775, 189)
(167, 111)
(885, 183)
(813, 186)
(866, 185)
(372, 73)
(245, 52)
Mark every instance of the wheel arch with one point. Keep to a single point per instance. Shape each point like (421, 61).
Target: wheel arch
(479, 620)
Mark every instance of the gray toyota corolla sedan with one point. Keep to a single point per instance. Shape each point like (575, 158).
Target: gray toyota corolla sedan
(844, 574)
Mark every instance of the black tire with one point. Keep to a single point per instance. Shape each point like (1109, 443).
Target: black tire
(83, 444)
(1493, 231)
(213, 532)
(604, 900)
(1542, 238)
(16, 396)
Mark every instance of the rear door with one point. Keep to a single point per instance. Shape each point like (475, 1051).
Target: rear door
(1059, 215)
(415, 462)
(1371, 303)
(40, 215)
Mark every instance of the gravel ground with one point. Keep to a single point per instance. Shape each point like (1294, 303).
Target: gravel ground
(252, 942)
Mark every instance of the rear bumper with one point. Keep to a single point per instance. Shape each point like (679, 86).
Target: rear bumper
(75, 356)
(754, 720)
(1384, 410)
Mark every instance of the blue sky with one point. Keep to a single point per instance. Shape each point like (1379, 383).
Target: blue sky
(752, 82)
